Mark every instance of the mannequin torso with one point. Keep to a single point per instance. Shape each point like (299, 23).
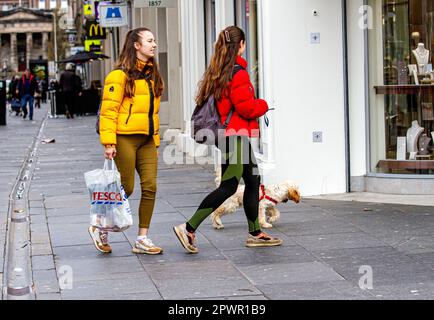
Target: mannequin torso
(413, 135)
(422, 56)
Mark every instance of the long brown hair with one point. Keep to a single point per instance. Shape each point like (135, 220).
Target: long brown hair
(127, 62)
(219, 72)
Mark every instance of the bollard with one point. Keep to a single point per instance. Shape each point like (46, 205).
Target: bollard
(19, 282)
(53, 109)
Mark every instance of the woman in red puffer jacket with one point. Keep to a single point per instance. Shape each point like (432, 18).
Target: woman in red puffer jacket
(227, 79)
(241, 95)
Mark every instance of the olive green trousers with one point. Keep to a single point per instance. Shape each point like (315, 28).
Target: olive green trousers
(139, 153)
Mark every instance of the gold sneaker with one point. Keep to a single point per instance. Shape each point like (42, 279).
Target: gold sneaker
(187, 239)
(145, 246)
(262, 240)
(100, 240)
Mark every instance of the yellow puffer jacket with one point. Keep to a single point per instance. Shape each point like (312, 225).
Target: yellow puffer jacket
(126, 116)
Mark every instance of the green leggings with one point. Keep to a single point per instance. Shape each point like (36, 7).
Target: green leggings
(238, 162)
(138, 152)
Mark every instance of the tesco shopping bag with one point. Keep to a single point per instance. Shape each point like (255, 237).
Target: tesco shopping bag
(109, 210)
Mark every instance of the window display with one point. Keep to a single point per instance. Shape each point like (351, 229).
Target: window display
(401, 81)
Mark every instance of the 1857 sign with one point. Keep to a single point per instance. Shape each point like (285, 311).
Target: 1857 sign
(155, 3)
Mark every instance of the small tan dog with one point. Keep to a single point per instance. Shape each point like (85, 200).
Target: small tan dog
(270, 196)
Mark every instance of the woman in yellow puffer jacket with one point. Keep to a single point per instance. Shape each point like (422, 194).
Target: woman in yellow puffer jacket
(129, 128)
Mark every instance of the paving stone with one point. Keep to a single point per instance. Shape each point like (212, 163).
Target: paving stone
(337, 241)
(407, 291)
(41, 249)
(199, 280)
(45, 281)
(163, 207)
(40, 238)
(42, 262)
(132, 296)
(326, 226)
(37, 219)
(69, 219)
(100, 267)
(289, 273)
(416, 244)
(326, 290)
(189, 200)
(261, 256)
(49, 296)
(232, 298)
(128, 284)
(388, 265)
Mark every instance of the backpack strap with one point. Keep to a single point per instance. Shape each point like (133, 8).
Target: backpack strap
(237, 68)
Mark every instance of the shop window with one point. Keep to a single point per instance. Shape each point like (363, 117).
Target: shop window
(401, 85)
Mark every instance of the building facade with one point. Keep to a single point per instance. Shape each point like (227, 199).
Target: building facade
(24, 36)
(349, 82)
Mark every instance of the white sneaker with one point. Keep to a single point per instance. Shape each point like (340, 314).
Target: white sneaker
(146, 246)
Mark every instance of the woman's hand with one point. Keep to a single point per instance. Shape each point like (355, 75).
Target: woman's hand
(110, 152)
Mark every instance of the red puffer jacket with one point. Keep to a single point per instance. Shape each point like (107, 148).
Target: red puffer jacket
(244, 121)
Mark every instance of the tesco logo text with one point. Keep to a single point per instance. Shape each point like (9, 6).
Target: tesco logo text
(106, 196)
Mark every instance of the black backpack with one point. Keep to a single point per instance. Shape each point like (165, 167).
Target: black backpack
(206, 126)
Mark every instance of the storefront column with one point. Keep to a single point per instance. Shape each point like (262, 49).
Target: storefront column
(14, 57)
(44, 45)
(29, 47)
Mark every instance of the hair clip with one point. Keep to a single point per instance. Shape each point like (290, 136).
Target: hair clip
(227, 36)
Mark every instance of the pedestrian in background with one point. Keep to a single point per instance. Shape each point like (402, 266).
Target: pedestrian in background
(233, 92)
(129, 128)
(14, 95)
(69, 87)
(27, 87)
(79, 106)
(38, 95)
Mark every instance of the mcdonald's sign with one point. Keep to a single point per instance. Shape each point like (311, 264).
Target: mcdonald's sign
(94, 31)
(93, 46)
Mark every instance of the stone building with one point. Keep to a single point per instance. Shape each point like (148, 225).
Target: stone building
(24, 36)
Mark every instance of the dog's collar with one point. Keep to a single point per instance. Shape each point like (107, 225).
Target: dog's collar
(265, 196)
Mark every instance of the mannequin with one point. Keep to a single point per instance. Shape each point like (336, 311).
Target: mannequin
(415, 36)
(422, 57)
(423, 144)
(413, 135)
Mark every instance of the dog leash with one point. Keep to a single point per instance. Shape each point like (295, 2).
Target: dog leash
(265, 196)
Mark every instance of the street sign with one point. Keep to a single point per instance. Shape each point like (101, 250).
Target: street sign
(93, 46)
(155, 3)
(113, 15)
(72, 38)
(75, 50)
(88, 11)
(94, 30)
